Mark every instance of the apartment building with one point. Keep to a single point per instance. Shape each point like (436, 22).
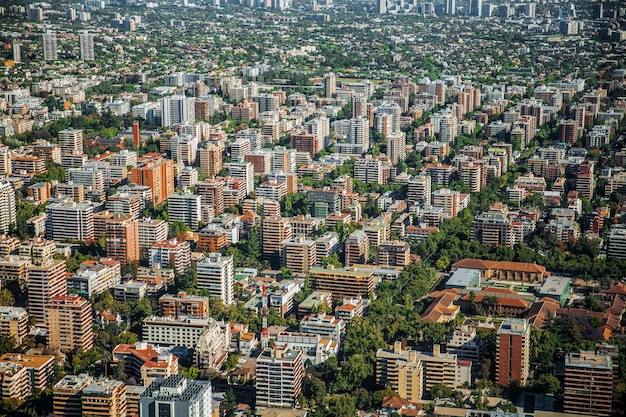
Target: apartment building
(70, 322)
(157, 173)
(419, 190)
(177, 396)
(145, 362)
(393, 253)
(94, 277)
(493, 228)
(151, 231)
(183, 304)
(212, 201)
(278, 377)
(45, 282)
(402, 371)
(357, 248)
(183, 331)
(122, 238)
(66, 395)
(588, 386)
(104, 398)
(216, 275)
(274, 230)
(185, 207)
(40, 368)
(513, 355)
(324, 325)
(14, 268)
(298, 254)
(343, 282)
(14, 323)
(69, 220)
(71, 141)
(15, 381)
(171, 253)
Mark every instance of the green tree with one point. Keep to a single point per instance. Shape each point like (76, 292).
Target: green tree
(547, 383)
(355, 371)
(441, 391)
(293, 204)
(229, 405)
(314, 390)
(190, 373)
(6, 298)
(141, 309)
(364, 338)
(232, 361)
(177, 228)
(7, 344)
(342, 405)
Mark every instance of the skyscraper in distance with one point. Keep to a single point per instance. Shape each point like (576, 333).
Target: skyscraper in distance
(17, 52)
(330, 85)
(450, 6)
(86, 46)
(381, 6)
(50, 52)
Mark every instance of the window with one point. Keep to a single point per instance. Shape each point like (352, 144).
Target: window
(164, 410)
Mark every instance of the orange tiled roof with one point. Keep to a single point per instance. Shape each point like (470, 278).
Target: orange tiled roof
(619, 289)
(440, 307)
(540, 312)
(471, 263)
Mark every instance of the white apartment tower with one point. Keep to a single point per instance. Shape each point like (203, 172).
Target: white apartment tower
(86, 46)
(50, 52)
(359, 132)
(44, 282)
(17, 52)
(71, 141)
(69, 220)
(419, 190)
(7, 206)
(278, 377)
(216, 274)
(244, 171)
(177, 110)
(388, 118)
(185, 207)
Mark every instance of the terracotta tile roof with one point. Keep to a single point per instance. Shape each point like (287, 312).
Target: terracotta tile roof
(513, 302)
(500, 290)
(502, 265)
(437, 294)
(606, 332)
(541, 311)
(400, 404)
(619, 289)
(440, 307)
(149, 356)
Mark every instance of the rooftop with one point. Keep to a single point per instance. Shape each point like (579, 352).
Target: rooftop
(555, 286)
(28, 361)
(514, 326)
(586, 359)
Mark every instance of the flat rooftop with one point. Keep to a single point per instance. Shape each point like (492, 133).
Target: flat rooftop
(464, 278)
(587, 359)
(555, 285)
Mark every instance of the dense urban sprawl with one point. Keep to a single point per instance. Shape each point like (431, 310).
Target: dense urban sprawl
(322, 208)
